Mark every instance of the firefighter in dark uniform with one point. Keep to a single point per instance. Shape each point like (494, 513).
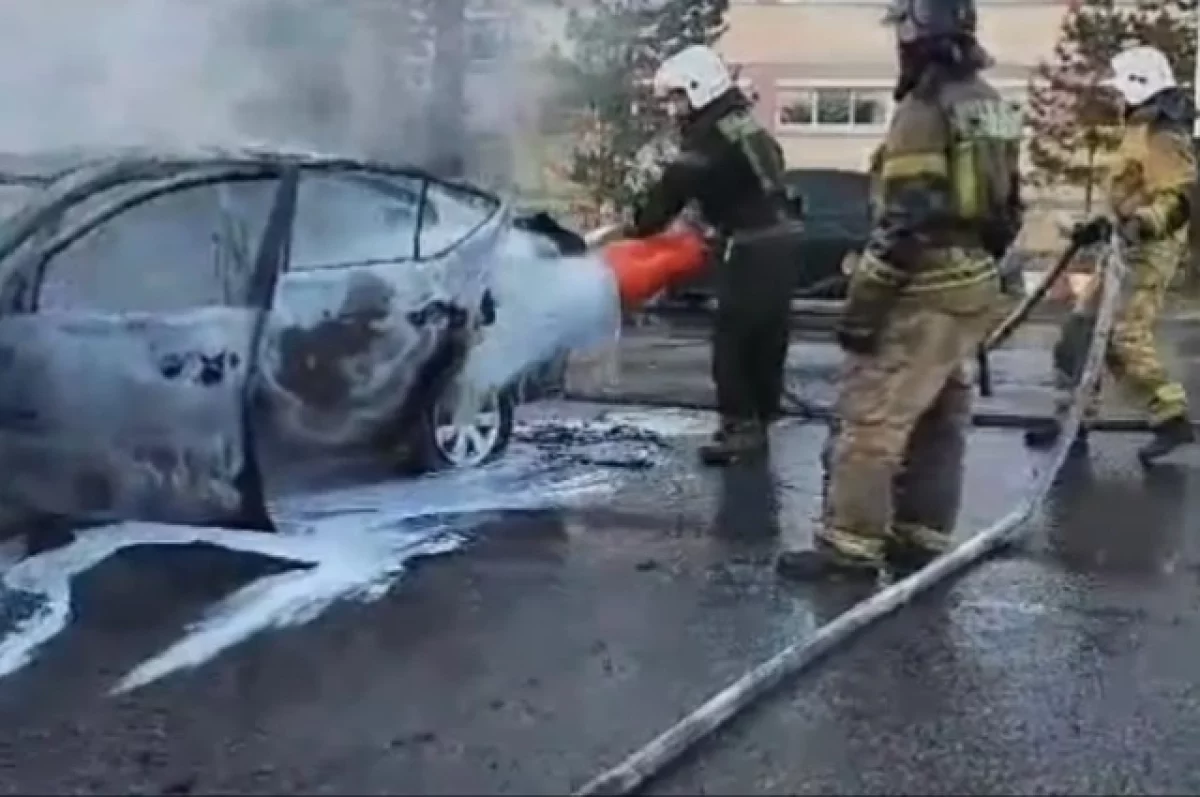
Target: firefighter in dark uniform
(921, 300)
(733, 168)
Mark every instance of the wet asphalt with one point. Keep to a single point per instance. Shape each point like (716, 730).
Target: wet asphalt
(557, 641)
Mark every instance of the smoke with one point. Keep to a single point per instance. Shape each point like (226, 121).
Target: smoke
(338, 75)
(545, 306)
(78, 74)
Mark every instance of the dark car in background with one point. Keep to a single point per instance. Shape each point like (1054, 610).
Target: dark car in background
(836, 223)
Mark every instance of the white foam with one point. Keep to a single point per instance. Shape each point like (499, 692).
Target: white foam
(544, 306)
(353, 543)
(356, 572)
(665, 422)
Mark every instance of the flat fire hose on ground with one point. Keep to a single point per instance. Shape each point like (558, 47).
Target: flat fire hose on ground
(1018, 316)
(652, 759)
(1020, 313)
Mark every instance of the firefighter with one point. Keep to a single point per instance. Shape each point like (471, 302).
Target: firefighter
(921, 300)
(733, 169)
(1149, 193)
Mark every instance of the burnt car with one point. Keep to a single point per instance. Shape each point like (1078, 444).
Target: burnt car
(836, 211)
(162, 316)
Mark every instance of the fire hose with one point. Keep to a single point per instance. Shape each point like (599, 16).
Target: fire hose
(700, 724)
(1019, 314)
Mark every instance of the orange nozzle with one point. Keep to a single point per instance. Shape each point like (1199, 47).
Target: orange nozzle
(644, 267)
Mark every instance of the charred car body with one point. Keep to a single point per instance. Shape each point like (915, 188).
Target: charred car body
(161, 316)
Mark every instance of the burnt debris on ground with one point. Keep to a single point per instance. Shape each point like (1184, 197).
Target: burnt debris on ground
(598, 443)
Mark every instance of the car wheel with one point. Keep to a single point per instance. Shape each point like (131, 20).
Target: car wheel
(445, 445)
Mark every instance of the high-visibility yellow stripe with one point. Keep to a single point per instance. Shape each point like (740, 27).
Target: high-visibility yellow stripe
(1156, 219)
(872, 268)
(925, 536)
(1168, 401)
(966, 180)
(931, 283)
(928, 280)
(925, 164)
(739, 128)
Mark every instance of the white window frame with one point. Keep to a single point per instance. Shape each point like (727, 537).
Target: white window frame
(1016, 88)
(815, 85)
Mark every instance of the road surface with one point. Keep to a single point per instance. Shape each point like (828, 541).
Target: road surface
(518, 630)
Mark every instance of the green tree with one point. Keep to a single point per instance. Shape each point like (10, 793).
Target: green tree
(615, 47)
(1073, 119)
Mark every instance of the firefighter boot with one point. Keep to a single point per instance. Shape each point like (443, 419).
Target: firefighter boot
(1045, 433)
(735, 440)
(913, 546)
(715, 447)
(1168, 436)
(836, 556)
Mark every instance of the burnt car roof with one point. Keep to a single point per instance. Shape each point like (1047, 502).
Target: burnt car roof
(137, 164)
(140, 175)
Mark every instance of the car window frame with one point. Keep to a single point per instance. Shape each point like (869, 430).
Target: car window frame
(24, 240)
(355, 177)
(60, 242)
(375, 179)
(497, 206)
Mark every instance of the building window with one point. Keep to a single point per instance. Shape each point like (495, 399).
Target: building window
(798, 109)
(840, 108)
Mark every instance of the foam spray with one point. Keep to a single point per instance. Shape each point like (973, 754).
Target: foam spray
(546, 305)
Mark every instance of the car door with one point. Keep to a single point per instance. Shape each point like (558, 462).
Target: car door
(386, 270)
(341, 353)
(123, 378)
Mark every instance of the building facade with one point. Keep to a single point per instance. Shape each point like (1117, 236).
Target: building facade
(823, 70)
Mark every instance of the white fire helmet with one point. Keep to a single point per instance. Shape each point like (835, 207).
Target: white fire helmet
(1139, 73)
(697, 71)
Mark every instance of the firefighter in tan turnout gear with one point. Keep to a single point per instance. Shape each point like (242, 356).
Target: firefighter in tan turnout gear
(921, 300)
(1149, 192)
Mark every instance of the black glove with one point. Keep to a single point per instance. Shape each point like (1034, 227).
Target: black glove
(543, 224)
(998, 235)
(1091, 232)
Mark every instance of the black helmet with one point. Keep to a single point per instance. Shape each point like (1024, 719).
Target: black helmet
(929, 19)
